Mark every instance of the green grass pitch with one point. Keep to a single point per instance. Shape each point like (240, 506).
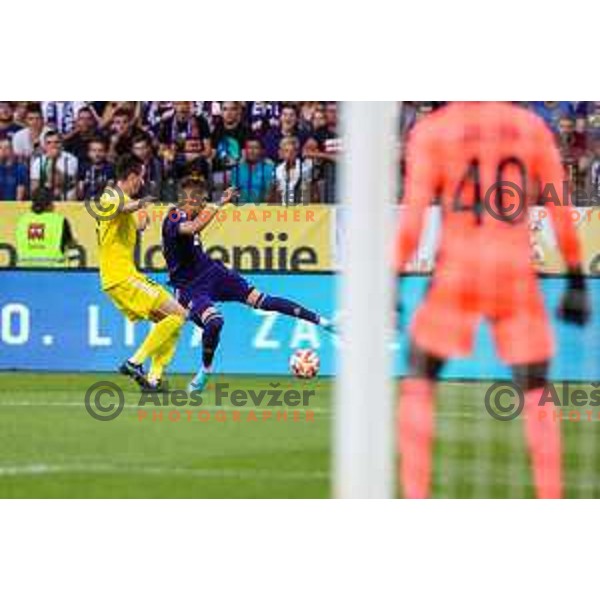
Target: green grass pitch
(52, 448)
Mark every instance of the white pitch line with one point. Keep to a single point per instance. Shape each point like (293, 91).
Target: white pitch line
(30, 404)
(316, 410)
(33, 469)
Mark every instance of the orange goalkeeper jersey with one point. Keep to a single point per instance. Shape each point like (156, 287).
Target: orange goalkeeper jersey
(486, 162)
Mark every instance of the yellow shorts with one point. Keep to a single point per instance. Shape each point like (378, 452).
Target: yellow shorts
(137, 297)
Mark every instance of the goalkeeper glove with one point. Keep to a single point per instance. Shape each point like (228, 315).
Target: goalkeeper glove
(575, 305)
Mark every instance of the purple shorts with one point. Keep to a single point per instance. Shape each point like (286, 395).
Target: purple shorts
(219, 284)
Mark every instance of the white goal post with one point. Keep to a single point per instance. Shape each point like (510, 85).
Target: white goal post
(364, 416)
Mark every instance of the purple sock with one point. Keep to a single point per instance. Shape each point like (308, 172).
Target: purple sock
(287, 307)
(210, 338)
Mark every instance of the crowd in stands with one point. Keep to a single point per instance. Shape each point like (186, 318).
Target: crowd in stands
(279, 152)
(576, 126)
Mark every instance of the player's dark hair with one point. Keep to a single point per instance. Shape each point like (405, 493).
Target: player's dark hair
(126, 165)
(193, 184)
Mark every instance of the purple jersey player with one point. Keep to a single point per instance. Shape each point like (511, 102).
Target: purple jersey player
(200, 281)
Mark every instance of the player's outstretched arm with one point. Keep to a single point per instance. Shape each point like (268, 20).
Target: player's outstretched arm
(134, 205)
(113, 203)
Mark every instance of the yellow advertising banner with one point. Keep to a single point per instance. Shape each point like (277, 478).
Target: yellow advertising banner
(545, 254)
(294, 239)
(246, 237)
(544, 248)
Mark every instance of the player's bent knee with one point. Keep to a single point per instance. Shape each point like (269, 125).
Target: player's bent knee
(179, 310)
(210, 320)
(209, 313)
(531, 376)
(254, 298)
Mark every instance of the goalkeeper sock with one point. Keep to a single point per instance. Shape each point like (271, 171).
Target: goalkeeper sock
(287, 307)
(542, 431)
(415, 427)
(160, 335)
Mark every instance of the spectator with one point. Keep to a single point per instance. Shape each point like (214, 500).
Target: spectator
(142, 148)
(323, 147)
(13, 175)
(20, 112)
(287, 128)
(191, 162)
(173, 131)
(27, 141)
(60, 115)
(293, 176)
(306, 115)
(572, 149)
(8, 127)
(122, 132)
(107, 111)
(43, 236)
(318, 119)
(229, 136)
(95, 172)
(253, 176)
(55, 170)
(591, 169)
(588, 119)
(552, 111)
(325, 143)
(82, 134)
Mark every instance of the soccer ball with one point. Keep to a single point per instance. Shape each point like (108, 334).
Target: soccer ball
(305, 363)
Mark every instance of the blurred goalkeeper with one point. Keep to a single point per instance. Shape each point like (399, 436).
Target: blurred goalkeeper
(486, 163)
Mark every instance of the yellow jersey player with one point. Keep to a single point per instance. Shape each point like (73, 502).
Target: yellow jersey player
(136, 296)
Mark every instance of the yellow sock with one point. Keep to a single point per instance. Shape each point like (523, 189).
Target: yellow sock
(163, 357)
(160, 334)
